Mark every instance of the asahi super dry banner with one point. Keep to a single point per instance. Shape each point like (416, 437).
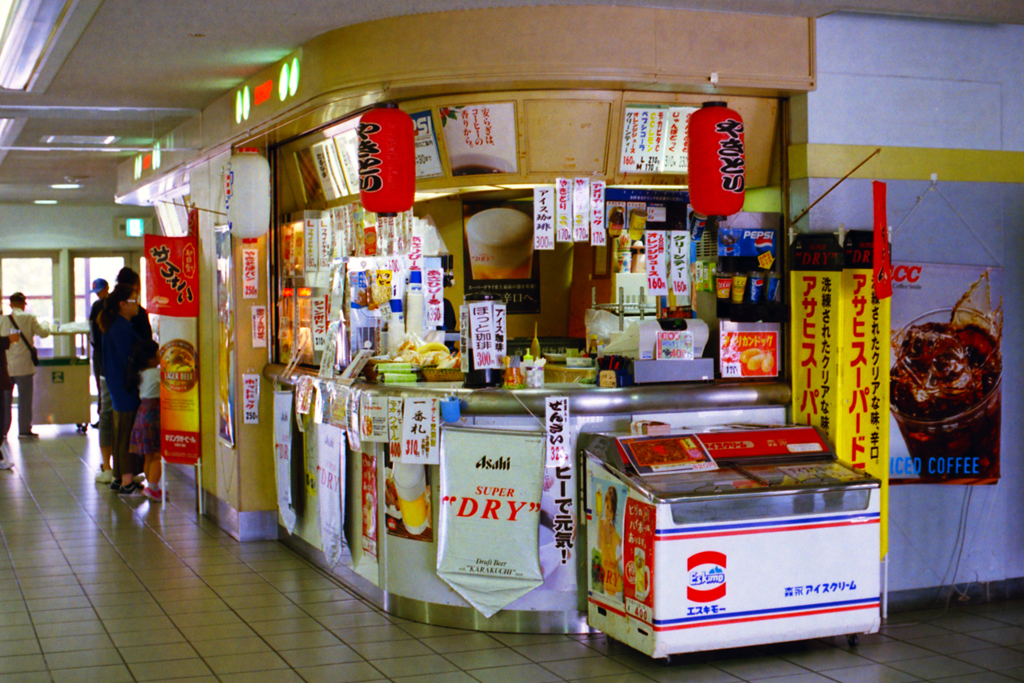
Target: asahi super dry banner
(863, 432)
(817, 313)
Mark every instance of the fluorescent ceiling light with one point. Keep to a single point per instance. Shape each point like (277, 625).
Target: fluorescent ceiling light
(46, 201)
(65, 186)
(32, 26)
(78, 139)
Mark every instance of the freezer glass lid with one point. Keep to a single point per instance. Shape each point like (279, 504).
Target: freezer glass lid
(731, 477)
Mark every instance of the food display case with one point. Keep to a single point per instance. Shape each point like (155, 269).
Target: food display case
(728, 537)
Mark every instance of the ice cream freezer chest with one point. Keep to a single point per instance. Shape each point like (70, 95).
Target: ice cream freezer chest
(780, 543)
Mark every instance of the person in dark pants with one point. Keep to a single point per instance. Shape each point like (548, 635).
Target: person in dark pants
(101, 288)
(19, 362)
(6, 386)
(119, 338)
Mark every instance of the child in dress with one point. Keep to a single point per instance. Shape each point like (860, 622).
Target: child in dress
(144, 372)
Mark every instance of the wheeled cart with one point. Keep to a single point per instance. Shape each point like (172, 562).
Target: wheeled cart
(61, 392)
(780, 543)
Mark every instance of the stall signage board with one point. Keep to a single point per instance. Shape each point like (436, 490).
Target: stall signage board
(433, 294)
(259, 327)
(480, 138)
(319, 314)
(250, 399)
(817, 312)
(172, 275)
(179, 390)
(657, 274)
(491, 484)
(749, 349)
(638, 559)
(250, 274)
(420, 427)
(481, 323)
(543, 218)
(331, 487)
(428, 158)
(557, 434)
(598, 232)
(563, 210)
(580, 209)
(654, 139)
(283, 457)
(373, 418)
(678, 242)
(369, 504)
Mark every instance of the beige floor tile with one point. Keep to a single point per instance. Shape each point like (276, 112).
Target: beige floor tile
(244, 663)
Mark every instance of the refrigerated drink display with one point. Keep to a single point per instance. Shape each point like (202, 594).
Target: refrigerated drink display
(775, 541)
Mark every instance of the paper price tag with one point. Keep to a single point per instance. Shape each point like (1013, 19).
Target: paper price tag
(580, 209)
(259, 327)
(556, 431)
(419, 439)
(598, 236)
(657, 277)
(251, 399)
(544, 218)
(563, 210)
(250, 274)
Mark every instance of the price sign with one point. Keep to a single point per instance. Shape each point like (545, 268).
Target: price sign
(251, 399)
(250, 274)
(543, 218)
(580, 209)
(598, 237)
(420, 432)
(563, 210)
(657, 279)
(556, 431)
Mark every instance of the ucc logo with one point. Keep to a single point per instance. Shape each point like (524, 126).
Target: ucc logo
(906, 273)
(706, 576)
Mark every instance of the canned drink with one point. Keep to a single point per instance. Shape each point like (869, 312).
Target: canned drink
(757, 287)
(723, 286)
(774, 292)
(697, 225)
(739, 287)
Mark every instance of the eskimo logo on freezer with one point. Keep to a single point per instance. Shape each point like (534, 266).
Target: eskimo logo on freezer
(706, 574)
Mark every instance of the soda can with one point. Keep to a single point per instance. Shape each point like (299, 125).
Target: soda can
(774, 292)
(756, 282)
(697, 225)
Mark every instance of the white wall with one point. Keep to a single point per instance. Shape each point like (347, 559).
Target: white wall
(915, 83)
(27, 226)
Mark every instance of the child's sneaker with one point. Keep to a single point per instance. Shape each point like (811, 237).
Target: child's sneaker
(131, 489)
(105, 476)
(153, 494)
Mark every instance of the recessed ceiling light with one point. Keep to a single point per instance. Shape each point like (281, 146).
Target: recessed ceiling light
(78, 139)
(65, 186)
(46, 201)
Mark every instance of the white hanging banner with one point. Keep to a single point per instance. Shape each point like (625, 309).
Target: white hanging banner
(491, 484)
(563, 210)
(580, 209)
(657, 275)
(598, 236)
(679, 265)
(556, 431)
(329, 489)
(283, 457)
(251, 399)
(543, 218)
(420, 432)
(250, 274)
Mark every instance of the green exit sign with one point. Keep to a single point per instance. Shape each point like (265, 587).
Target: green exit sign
(135, 227)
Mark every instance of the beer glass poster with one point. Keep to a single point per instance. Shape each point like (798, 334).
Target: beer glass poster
(946, 375)
(499, 255)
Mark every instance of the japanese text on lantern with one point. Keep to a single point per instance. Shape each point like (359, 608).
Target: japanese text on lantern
(730, 155)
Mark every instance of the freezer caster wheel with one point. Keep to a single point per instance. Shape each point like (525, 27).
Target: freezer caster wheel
(83, 428)
(853, 639)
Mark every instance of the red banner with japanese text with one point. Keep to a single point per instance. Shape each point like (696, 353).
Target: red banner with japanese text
(863, 430)
(815, 282)
(638, 559)
(172, 275)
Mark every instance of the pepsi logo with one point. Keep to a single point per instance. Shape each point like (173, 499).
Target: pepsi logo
(706, 576)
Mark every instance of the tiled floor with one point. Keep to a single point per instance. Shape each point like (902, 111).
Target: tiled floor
(97, 588)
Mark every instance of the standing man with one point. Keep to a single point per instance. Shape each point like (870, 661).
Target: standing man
(19, 362)
(104, 409)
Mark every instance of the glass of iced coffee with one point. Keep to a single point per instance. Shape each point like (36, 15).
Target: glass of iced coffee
(945, 389)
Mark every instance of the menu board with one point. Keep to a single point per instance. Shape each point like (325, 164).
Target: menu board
(480, 138)
(654, 139)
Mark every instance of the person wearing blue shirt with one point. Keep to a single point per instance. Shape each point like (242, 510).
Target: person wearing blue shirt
(119, 338)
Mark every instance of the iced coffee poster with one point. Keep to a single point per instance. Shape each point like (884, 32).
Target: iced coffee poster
(491, 483)
(946, 375)
(480, 138)
(605, 524)
(408, 512)
(499, 254)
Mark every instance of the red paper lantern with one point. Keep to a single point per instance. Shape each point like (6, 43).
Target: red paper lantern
(717, 165)
(387, 160)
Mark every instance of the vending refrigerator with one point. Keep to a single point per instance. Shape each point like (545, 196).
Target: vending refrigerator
(728, 537)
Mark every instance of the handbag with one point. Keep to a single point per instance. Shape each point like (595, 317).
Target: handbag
(31, 349)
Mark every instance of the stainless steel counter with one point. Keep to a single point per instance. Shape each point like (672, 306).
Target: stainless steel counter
(584, 399)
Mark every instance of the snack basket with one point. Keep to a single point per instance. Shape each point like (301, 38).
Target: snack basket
(433, 374)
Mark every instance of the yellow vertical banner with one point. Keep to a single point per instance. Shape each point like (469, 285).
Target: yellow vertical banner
(817, 310)
(863, 434)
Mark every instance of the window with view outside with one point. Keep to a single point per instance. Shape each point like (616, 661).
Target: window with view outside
(88, 269)
(34, 278)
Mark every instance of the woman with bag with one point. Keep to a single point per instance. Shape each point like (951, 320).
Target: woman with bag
(21, 361)
(119, 339)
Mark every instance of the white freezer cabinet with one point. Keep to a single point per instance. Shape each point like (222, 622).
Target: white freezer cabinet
(769, 547)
